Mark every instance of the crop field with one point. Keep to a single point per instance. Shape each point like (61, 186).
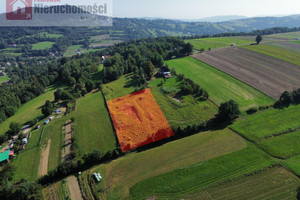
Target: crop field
(123, 173)
(267, 74)
(138, 120)
(293, 46)
(275, 183)
(284, 146)
(279, 53)
(214, 43)
(188, 111)
(294, 164)
(210, 78)
(93, 127)
(268, 123)
(28, 111)
(121, 87)
(42, 45)
(175, 184)
(291, 35)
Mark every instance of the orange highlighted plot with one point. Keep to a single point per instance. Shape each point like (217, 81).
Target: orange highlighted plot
(138, 120)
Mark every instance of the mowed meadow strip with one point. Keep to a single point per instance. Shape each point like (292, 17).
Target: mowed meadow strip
(175, 184)
(293, 164)
(123, 173)
(275, 52)
(268, 123)
(220, 86)
(93, 127)
(267, 74)
(218, 42)
(273, 183)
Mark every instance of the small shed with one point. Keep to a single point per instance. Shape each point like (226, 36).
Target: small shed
(58, 111)
(47, 121)
(24, 141)
(51, 118)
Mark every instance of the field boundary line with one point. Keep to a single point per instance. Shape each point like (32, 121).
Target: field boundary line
(41, 136)
(280, 134)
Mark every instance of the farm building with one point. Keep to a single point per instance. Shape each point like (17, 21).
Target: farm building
(24, 141)
(51, 118)
(58, 111)
(165, 72)
(47, 121)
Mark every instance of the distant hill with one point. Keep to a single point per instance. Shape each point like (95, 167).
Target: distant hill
(218, 18)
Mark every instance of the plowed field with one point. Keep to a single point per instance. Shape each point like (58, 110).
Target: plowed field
(267, 74)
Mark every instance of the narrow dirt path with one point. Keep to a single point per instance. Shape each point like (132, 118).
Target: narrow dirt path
(43, 166)
(74, 188)
(68, 141)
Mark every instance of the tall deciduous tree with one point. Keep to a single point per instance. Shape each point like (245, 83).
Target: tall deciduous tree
(258, 39)
(229, 111)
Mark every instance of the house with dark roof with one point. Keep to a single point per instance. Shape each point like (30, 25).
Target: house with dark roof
(165, 72)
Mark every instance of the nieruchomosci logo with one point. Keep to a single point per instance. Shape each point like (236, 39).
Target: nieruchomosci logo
(57, 13)
(18, 9)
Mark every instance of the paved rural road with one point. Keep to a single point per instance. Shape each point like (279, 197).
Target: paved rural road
(74, 188)
(43, 167)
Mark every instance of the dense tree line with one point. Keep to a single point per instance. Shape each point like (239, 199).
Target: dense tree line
(288, 98)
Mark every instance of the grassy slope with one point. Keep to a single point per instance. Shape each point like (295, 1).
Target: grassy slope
(93, 128)
(294, 164)
(27, 162)
(268, 123)
(28, 111)
(275, 52)
(214, 43)
(121, 87)
(183, 181)
(279, 184)
(220, 86)
(291, 35)
(124, 172)
(42, 45)
(284, 146)
(190, 111)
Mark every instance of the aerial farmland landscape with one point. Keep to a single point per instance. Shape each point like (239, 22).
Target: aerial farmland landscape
(151, 100)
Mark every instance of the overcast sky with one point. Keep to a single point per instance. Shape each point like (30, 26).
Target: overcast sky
(193, 9)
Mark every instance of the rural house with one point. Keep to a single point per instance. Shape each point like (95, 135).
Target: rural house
(165, 72)
(4, 157)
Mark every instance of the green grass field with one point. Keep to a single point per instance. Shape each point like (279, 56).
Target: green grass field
(93, 128)
(294, 164)
(268, 123)
(175, 184)
(275, 183)
(42, 45)
(121, 87)
(188, 111)
(284, 146)
(220, 86)
(29, 110)
(72, 50)
(3, 78)
(219, 42)
(291, 35)
(275, 52)
(123, 173)
(27, 162)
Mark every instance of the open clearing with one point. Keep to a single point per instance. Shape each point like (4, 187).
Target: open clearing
(268, 123)
(138, 120)
(42, 45)
(218, 42)
(282, 54)
(275, 183)
(43, 167)
(93, 129)
(283, 146)
(123, 173)
(220, 86)
(189, 111)
(267, 74)
(3, 78)
(28, 111)
(187, 180)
